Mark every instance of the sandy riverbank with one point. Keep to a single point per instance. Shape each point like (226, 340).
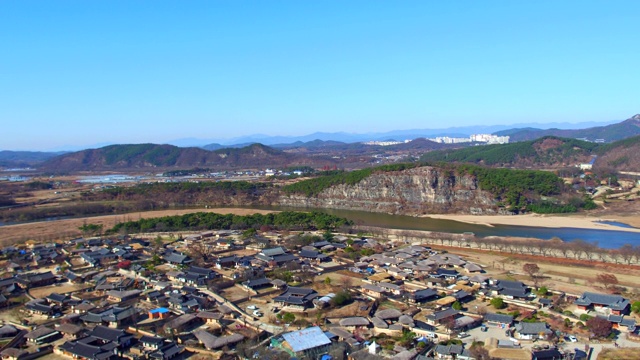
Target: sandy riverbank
(570, 221)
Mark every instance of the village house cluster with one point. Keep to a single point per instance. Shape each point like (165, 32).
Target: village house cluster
(214, 292)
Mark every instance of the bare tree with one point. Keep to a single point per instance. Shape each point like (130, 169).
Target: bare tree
(627, 252)
(599, 327)
(199, 252)
(579, 248)
(449, 323)
(591, 250)
(479, 352)
(543, 247)
(607, 280)
(533, 270)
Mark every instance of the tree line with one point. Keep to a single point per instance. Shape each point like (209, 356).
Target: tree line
(286, 220)
(555, 247)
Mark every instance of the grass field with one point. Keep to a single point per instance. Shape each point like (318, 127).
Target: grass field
(620, 353)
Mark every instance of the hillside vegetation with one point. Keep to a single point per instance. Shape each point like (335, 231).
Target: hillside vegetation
(544, 152)
(314, 186)
(621, 155)
(530, 190)
(547, 152)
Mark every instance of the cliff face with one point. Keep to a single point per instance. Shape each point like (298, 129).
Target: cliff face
(416, 191)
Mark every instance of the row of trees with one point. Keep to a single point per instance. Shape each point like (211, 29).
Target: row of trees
(286, 220)
(555, 247)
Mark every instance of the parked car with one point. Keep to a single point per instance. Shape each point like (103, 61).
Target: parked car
(483, 328)
(572, 338)
(463, 335)
(252, 307)
(257, 313)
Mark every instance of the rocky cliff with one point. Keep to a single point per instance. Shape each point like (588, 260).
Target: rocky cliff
(416, 191)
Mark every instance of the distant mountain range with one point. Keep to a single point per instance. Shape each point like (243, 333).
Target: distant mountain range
(398, 135)
(23, 159)
(149, 156)
(329, 149)
(608, 133)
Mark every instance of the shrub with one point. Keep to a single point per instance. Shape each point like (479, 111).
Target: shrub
(585, 317)
(498, 303)
(343, 297)
(542, 291)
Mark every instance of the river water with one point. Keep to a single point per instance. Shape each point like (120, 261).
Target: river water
(608, 239)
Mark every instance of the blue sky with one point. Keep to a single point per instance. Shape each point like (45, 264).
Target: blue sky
(86, 72)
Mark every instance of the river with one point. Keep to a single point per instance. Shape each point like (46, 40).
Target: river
(607, 239)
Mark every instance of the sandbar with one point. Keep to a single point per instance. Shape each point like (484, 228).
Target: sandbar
(547, 221)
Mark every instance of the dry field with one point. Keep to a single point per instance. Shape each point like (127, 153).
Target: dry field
(621, 353)
(573, 277)
(52, 230)
(44, 291)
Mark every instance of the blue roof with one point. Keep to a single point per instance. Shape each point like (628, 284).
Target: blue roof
(305, 339)
(159, 311)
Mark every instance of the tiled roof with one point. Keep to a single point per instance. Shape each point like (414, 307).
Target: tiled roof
(306, 339)
(614, 302)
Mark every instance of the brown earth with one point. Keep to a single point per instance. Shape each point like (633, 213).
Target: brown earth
(622, 353)
(568, 275)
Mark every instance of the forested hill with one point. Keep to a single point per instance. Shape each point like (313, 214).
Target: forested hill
(149, 156)
(621, 155)
(613, 132)
(24, 158)
(545, 152)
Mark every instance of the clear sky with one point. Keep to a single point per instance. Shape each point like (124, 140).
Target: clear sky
(85, 72)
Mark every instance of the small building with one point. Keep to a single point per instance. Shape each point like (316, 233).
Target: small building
(255, 284)
(182, 322)
(42, 335)
(57, 299)
(616, 304)
(512, 289)
(501, 320)
(296, 298)
(13, 354)
(32, 280)
(167, 351)
(310, 342)
(159, 313)
(70, 331)
(210, 318)
(177, 258)
(547, 354)
(440, 317)
(452, 351)
(531, 331)
(354, 322)
(121, 296)
(152, 342)
(374, 291)
(421, 296)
